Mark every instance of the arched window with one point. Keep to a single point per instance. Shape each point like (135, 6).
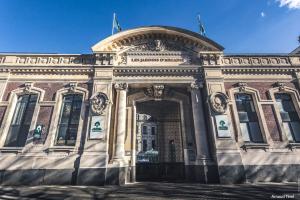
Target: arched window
(289, 116)
(249, 124)
(69, 119)
(21, 121)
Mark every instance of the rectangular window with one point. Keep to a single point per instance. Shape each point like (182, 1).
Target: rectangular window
(152, 130)
(145, 130)
(69, 120)
(248, 118)
(21, 121)
(153, 144)
(144, 145)
(289, 116)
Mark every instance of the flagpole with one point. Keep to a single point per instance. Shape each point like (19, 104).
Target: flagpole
(112, 30)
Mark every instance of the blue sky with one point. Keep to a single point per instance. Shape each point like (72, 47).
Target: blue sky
(73, 26)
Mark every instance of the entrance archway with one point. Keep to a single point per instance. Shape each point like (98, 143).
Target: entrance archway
(159, 142)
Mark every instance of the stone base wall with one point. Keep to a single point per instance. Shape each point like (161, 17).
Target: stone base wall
(90, 176)
(234, 174)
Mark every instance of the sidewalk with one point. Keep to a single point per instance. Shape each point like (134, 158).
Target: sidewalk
(154, 190)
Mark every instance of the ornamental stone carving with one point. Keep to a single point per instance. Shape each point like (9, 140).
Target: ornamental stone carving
(104, 58)
(218, 102)
(72, 86)
(121, 86)
(99, 103)
(156, 91)
(280, 86)
(242, 86)
(157, 45)
(27, 87)
(196, 85)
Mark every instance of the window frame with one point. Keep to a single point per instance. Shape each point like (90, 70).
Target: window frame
(294, 94)
(257, 101)
(69, 118)
(53, 130)
(247, 123)
(11, 106)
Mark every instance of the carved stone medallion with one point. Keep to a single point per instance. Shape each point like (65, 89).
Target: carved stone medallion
(219, 102)
(98, 103)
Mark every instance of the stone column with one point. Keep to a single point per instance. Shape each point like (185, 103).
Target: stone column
(121, 121)
(202, 146)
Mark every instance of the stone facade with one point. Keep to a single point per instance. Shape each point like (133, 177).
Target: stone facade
(182, 79)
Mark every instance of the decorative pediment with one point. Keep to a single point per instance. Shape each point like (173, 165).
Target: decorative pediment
(157, 39)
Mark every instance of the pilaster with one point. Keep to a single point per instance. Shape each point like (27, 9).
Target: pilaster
(229, 160)
(121, 122)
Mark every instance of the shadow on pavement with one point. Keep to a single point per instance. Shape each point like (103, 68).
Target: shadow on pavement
(153, 190)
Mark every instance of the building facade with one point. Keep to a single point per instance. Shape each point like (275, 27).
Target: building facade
(217, 118)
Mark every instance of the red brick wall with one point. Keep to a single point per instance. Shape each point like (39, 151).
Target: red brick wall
(2, 113)
(271, 122)
(10, 87)
(44, 117)
(262, 87)
(50, 88)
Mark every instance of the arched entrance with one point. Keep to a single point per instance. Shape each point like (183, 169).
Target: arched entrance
(159, 143)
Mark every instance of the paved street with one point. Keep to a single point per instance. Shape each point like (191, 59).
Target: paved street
(154, 190)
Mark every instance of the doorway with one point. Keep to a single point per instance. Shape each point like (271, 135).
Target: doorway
(159, 144)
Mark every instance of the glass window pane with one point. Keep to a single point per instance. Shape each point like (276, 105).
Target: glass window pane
(19, 112)
(33, 98)
(78, 98)
(153, 144)
(22, 136)
(279, 104)
(296, 130)
(66, 113)
(29, 113)
(245, 133)
(72, 132)
(144, 129)
(294, 116)
(255, 132)
(68, 98)
(243, 116)
(153, 130)
(288, 132)
(285, 116)
(75, 112)
(144, 145)
(62, 132)
(69, 121)
(252, 116)
(239, 105)
(288, 106)
(21, 121)
(289, 116)
(12, 137)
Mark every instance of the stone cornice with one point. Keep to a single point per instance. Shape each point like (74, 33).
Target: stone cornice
(86, 63)
(157, 71)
